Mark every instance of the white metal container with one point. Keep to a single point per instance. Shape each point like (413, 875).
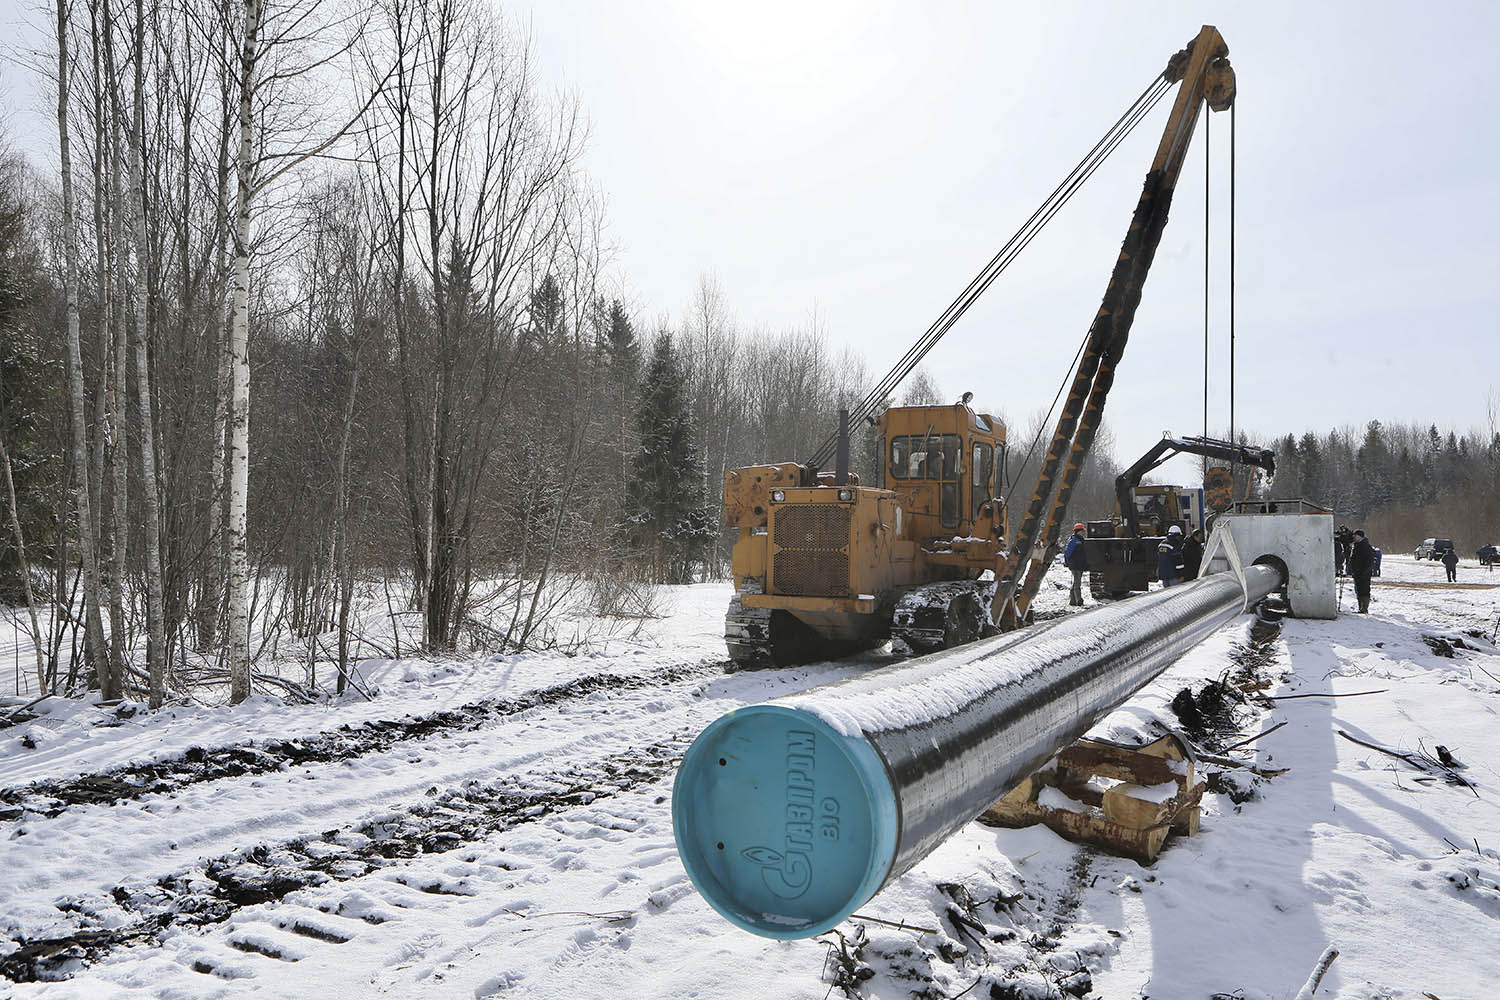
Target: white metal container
(1297, 533)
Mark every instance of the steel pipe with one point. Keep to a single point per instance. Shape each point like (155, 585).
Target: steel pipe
(790, 815)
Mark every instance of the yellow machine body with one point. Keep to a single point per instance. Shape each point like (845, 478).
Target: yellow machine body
(837, 558)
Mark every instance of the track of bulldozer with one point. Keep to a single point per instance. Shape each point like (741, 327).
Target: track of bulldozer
(747, 633)
(926, 619)
(941, 615)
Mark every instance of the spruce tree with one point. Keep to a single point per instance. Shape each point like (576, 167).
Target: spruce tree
(622, 352)
(1310, 462)
(623, 348)
(667, 525)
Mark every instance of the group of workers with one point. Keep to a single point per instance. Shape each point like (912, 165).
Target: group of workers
(1178, 559)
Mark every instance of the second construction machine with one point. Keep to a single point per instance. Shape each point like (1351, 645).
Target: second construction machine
(1122, 553)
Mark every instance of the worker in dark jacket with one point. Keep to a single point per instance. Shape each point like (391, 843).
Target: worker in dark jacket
(1361, 566)
(1169, 557)
(1192, 555)
(1343, 540)
(1450, 563)
(1077, 560)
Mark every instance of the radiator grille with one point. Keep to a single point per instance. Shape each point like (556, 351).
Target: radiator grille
(811, 553)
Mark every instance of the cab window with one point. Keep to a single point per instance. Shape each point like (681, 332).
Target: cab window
(929, 456)
(901, 460)
(981, 472)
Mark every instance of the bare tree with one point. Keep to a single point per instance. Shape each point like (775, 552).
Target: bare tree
(15, 527)
(484, 167)
(133, 124)
(94, 646)
(287, 30)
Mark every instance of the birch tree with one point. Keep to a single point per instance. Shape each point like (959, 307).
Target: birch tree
(294, 39)
(94, 646)
(133, 125)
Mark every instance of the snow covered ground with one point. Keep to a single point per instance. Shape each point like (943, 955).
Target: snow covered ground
(500, 827)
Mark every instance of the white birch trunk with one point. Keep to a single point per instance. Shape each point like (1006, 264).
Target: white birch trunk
(239, 365)
(119, 453)
(156, 650)
(109, 685)
(218, 547)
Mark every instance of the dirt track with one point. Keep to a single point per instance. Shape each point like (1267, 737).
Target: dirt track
(212, 891)
(198, 764)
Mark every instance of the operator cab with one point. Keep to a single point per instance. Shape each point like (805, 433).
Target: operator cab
(948, 462)
(1159, 507)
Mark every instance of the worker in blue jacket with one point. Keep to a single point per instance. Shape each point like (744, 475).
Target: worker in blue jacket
(1169, 557)
(1077, 560)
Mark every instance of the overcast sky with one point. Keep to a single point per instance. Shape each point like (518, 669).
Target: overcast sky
(863, 160)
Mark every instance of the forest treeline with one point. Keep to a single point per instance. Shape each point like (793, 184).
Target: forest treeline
(318, 295)
(1400, 482)
(317, 300)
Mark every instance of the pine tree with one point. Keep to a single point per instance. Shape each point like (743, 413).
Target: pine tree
(667, 525)
(1310, 460)
(622, 351)
(1374, 470)
(1289, 479)
(548, 323)
(1404, 486)
(623, 348)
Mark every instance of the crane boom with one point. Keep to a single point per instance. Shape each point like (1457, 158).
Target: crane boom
(1206, 76)
(1225, 451)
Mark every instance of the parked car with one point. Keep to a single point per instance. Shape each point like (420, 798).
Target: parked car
(1488, 555)
(1433, 548)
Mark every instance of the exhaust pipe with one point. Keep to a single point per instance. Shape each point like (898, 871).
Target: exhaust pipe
(792, 814)
(841, 461)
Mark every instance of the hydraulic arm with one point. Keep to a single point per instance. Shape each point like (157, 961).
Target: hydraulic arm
(1206, 78)
(1224, 451)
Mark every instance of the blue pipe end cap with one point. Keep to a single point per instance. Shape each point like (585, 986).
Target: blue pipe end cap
(784, 825)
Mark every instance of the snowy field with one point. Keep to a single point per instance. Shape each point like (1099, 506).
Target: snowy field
(500, 827)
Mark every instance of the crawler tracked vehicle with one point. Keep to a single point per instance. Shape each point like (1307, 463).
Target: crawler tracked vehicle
(825, 566)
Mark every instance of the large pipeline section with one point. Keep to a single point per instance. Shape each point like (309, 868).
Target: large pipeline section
(790, 815)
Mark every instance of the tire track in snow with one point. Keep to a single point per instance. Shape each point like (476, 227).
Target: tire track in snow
(462, 802)
(198, 765)
(215, 890)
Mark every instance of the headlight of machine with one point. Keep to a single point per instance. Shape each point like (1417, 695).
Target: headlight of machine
(846, 495)
(778, 496)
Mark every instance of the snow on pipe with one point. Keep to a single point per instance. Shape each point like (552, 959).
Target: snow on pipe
(790, 815)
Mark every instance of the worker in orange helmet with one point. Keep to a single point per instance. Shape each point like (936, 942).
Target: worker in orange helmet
(1076, 560)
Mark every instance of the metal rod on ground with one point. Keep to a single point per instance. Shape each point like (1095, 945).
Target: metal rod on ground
(790, 815)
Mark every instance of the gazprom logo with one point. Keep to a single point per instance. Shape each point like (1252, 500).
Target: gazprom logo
(788, 872)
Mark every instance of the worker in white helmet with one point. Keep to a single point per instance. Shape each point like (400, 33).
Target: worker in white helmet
(1169, 557)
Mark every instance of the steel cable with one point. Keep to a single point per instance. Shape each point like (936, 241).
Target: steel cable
(1081, 172)
(1007, 254)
